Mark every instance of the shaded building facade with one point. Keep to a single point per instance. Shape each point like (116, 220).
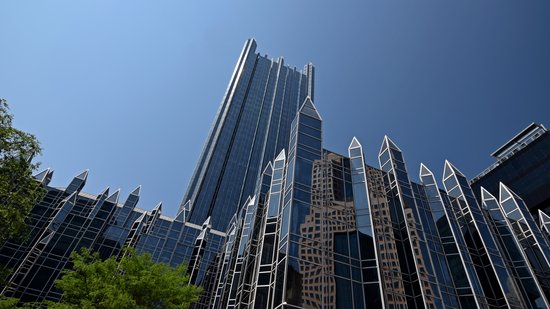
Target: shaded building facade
(68, 219)
(523, 164)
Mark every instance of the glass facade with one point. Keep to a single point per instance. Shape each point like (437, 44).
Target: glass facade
(67, 219)
(251, 127)
(272, 219)
(337, 233)
(522, 164)
(496, 280)
(512, 251)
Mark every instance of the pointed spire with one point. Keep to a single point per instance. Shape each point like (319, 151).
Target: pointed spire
(206, 226)
(506, 193)
(354, 143)
(242, 210)
(158, 208)
(427, 178)
(83, 176)
(355, 151)
(133, 198)
(252, 200)
(136, 191)
(450, 169)
(308, 108)
(207, 223)
(180, 217)
(425, 171)
(103, 193)
(42, 175)
(268, 170)
(153, 216)
(486, 195)
(49, 177)
(281, 156)
(188, 205)
(544, 222)
(202, 235)
(388, 143)
(544, 219)
(78, 182)
(114, 197)
(447, 170)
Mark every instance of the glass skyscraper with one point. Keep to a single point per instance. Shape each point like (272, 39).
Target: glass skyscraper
(272, 219)
(251, 127)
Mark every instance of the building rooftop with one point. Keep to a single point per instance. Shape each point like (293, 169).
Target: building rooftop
(527, 135)
(515, 144)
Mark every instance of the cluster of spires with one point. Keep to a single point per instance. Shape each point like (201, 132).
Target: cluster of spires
(78, 182)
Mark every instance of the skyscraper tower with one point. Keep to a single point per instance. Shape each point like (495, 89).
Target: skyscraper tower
(251, 127)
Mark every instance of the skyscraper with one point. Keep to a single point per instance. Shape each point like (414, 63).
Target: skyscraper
(251, 127)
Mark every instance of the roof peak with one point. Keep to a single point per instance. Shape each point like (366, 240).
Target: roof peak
(355, 143)
(308, 108)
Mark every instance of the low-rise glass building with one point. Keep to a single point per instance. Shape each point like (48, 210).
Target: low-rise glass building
(68, 219)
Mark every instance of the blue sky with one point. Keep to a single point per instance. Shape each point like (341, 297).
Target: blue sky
(129, 89)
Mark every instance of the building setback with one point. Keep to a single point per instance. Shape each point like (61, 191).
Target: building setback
(272, 219)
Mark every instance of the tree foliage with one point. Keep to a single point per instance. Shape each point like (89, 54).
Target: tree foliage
(133, 282)
(8, 302)
(18, 190)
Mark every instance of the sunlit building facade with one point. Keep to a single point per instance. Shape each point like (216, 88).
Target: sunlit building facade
(251, 127)
(272, 219)
(330, 231)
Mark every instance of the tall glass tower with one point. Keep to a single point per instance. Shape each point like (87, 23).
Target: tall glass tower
(251, 127)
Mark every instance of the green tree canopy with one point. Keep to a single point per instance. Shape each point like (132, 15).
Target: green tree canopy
(18, 190)
(133, 282)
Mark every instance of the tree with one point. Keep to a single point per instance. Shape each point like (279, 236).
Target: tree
(133, 282)
(18, 190)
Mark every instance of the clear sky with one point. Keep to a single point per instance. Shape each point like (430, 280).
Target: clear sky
(129, 89)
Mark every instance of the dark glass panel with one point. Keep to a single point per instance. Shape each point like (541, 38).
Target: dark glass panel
(312, 122)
